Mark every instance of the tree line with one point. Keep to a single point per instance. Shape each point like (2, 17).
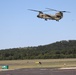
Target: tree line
(57, 50)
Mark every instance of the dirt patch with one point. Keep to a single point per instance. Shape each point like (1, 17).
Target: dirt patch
(68, 68)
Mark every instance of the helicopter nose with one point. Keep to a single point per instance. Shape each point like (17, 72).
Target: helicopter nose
(38, 16)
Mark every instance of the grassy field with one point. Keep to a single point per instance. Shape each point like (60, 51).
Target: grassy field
(45, 63)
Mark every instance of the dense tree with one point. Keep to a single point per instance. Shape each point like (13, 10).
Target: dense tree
(61, 49)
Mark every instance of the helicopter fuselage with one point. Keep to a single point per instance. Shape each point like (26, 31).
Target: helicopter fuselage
(56, 17)
(43, 16)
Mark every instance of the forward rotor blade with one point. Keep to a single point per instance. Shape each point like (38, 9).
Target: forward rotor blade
(65, 11)
(33, 10)
(38, 10)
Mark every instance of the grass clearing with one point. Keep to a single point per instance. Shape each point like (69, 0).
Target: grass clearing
(45, 63)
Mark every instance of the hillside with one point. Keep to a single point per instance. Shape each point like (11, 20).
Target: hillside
(60, 49)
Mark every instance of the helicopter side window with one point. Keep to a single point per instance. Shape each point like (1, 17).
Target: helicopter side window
(58, 16)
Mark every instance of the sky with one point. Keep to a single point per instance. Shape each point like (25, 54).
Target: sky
(20, 27)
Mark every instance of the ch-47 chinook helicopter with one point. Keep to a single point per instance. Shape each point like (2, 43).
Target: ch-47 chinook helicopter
(57, 16)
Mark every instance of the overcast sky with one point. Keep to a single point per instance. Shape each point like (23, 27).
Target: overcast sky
(20, 27)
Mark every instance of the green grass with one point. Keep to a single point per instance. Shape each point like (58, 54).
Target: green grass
(46, 63)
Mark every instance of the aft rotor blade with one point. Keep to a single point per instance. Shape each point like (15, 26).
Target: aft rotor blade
(58, 10)
(52, 9)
